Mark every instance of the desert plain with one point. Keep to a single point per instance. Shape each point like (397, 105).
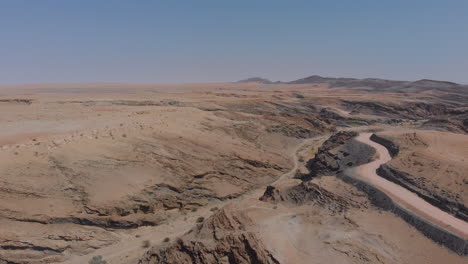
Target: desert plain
(317, 170)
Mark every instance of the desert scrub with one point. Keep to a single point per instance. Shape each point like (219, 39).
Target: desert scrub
(166, 240)
(146, 244)
(97, 260)
(200, 219)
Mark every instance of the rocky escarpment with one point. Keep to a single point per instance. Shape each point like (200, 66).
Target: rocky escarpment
(405, 110)
(223, 238)
(338, 153)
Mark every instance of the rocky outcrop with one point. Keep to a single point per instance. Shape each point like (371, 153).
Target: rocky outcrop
(441, 124)
(306, 193)
(222, 238)
(17, 101)
(338, 153)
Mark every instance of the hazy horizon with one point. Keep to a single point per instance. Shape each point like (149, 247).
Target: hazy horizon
(169, 42)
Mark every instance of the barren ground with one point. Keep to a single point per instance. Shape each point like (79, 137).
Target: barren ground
(98, 169)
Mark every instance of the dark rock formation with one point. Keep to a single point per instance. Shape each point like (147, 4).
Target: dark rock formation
(392, 148)
(305, 193)
(17, 101)
(338, 153)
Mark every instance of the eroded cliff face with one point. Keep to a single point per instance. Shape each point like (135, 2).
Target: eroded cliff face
(225, 237)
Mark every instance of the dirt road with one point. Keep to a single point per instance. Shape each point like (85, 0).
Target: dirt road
(403, 197)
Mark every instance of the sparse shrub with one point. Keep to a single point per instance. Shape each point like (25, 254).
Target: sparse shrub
(194, 209)
(97, 260)
(146, 244)
(124, 135)
(299, 175)
(200, 219)
(214, 209)
(166, 240)
(275, 207)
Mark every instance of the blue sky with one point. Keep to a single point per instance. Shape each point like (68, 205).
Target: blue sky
(177, 41)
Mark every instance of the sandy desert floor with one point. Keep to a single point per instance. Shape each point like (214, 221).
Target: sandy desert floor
(103, 169)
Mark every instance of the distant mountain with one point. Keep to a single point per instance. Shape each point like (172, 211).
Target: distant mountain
(375, 84)
(256, 79)
(320, 79)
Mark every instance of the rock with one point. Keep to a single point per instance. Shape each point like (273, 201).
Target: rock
(222, 238)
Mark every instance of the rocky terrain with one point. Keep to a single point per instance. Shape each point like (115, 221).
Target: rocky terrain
(247, 172)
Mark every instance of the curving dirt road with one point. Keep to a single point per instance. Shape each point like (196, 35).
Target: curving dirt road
(403, 197)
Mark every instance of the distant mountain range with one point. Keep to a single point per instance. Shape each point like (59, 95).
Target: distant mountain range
(256, 80)
(373, 84)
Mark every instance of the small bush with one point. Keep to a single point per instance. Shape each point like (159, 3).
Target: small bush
(200, 219)
(214, 209)
(301, 176)
(194, 209)
(97, 260)
(146, 244)
(166, 240)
